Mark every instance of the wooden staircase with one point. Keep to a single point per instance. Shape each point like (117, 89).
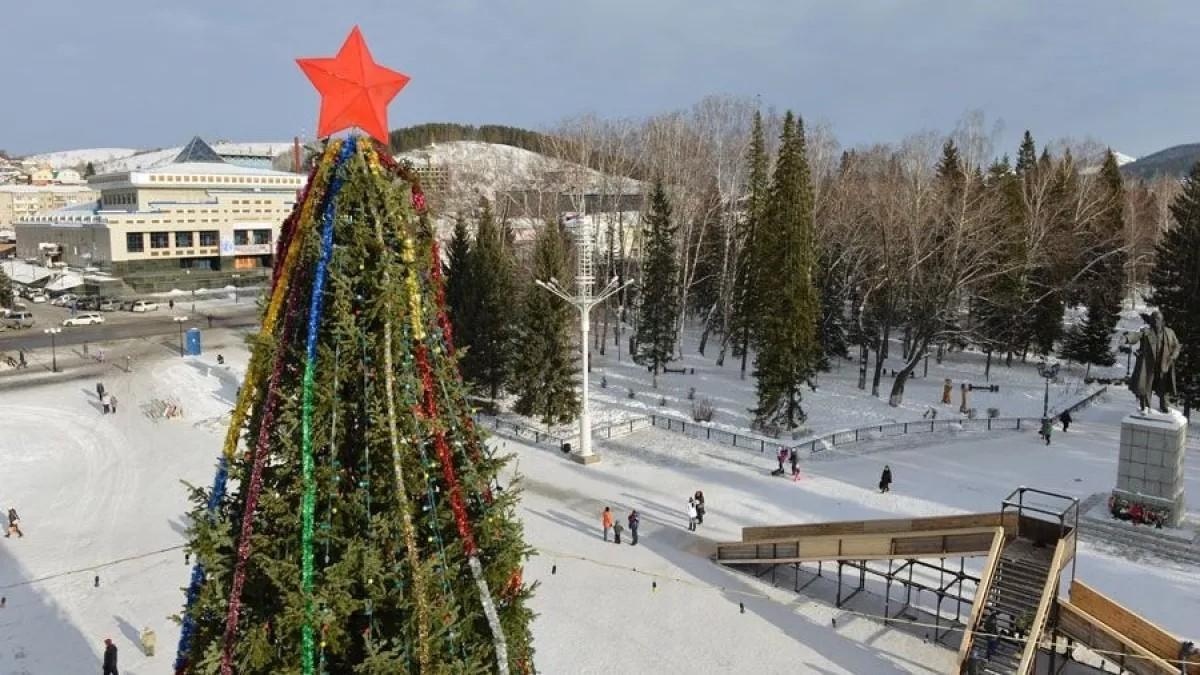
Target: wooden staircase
(1012, 605)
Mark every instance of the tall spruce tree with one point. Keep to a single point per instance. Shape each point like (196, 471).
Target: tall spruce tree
(749, 266)
(787, 351)
(493, 308)
(543, 367)
(6, 298)
(659, 294)
(1104, 281)
(1175, 281)
(459, 286)
(1026, 157)
(359, 532)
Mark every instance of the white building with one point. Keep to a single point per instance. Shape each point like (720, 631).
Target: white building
(183, 223)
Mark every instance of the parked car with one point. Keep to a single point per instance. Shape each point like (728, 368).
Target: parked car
(65, 300)
(90, 303)
(83, 320)
(107, 305)
(143, 306)
(38, 298)
(19, 319)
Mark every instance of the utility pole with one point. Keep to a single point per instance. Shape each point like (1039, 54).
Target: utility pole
(583, 300)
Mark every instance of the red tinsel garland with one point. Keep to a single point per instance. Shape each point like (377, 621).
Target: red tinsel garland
(430, 412)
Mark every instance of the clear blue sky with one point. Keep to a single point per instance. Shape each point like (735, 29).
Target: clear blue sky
(139, 73)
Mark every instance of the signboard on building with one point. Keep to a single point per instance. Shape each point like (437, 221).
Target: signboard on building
(226, 244)
(252, 249)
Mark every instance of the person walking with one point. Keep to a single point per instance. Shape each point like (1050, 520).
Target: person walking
(782, 457)
(99, 390)
(699, 507)
(112, 402)
(14, 524)
(1047, 427)
(885, 479)
(1065, 418)
(105, 403)
(110, 658)
(617, 531)
(691, 511)
(634, 521)
(606, 521)
(794, 458)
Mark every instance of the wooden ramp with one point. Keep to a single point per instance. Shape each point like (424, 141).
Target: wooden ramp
(1120, 635)
(861, 540)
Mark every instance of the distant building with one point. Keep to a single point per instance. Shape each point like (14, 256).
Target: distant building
(41, 175)
(20, 202)
(195, 221)
(68, 177)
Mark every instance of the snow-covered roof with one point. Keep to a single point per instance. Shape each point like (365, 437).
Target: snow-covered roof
(25, 273)
(218, 168)
(45, 188)
(66, 281)
(153, 158)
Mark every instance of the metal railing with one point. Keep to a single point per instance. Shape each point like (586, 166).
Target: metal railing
(522, 432)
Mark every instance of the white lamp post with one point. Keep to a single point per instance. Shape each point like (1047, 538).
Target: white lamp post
(180, 320)
(53, 348)
(584, 300)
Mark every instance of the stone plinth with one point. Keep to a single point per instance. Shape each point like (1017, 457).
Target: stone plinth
(1150, 469)
(585, 459)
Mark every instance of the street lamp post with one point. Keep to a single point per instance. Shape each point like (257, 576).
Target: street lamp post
(235, 287)
(53, 348)
(1049, 372)
(584, 300)
(180, 320)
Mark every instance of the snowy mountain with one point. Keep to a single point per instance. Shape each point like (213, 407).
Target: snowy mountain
(152, 158)
(1175, 161)
(1123, 159)
(71, 158)
(477, 169)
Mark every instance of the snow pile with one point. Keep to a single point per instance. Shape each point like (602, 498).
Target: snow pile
(64, 159)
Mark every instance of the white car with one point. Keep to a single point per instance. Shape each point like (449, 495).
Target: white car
(144, 306)
(64, 300)
(39, 298)
(83, 320)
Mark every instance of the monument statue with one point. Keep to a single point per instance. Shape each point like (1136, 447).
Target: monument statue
(1154, 372)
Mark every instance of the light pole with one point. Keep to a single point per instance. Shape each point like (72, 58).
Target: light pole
(180, 320)
(235, 287)
(1049, 372)
(584, 300)
(53, 347)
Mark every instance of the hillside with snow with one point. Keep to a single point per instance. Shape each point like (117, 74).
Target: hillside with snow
(65, 159)
(477, 169)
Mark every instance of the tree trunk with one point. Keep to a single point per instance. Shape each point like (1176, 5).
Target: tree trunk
(878, 362)
(864, 359)
(897, 395)
(987, 367)
(887, 338)
(745, 349)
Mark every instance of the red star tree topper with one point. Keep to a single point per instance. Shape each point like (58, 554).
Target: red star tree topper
(355, 91)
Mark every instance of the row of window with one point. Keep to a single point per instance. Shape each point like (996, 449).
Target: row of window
(135, 242)
(257, 180)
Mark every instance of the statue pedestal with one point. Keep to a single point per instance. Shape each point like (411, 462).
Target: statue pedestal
(1150, 469)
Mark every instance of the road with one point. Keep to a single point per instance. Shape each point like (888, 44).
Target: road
(123, 326)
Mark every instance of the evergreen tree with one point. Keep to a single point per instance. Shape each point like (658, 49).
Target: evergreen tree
(6, 298)
(786, 346)
(745, 310)
(1026, 156)
(656, 332)
(492, 307)
(544, 367)
(459, 286)
(1103, 283)
(833, 289)
(1175, 280)
(1001, 310)
(89, 170)
(360, 533)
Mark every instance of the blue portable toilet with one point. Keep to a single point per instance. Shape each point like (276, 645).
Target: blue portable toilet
(192, 342)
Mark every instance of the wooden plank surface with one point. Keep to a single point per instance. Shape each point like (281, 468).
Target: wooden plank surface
(1126, 622)
(1092, 632)
(981, 591)
(882, 526)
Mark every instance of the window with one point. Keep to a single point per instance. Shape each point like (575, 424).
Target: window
(262, 236)
(135, 242)
(241, 237)
(183, 240)
(209, 237)
(160, 240)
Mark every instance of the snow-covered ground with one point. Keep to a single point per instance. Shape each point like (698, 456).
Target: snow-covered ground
(101, 495)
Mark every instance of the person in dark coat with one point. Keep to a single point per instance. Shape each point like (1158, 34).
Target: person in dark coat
(699, 497)
(1047, 427)
(885, 479)
(634, 521)
(99, 390)
(110, 658)
(1065, 418)
(617, 531)
(794, 457)
(781, 456)
(14, 524)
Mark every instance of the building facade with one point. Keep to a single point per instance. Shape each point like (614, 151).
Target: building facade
(193, 218)
(21, 202)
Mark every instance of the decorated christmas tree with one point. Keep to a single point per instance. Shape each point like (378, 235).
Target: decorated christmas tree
(362, 529)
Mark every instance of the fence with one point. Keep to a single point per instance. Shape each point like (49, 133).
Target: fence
(522, 432)
(1088, 401)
